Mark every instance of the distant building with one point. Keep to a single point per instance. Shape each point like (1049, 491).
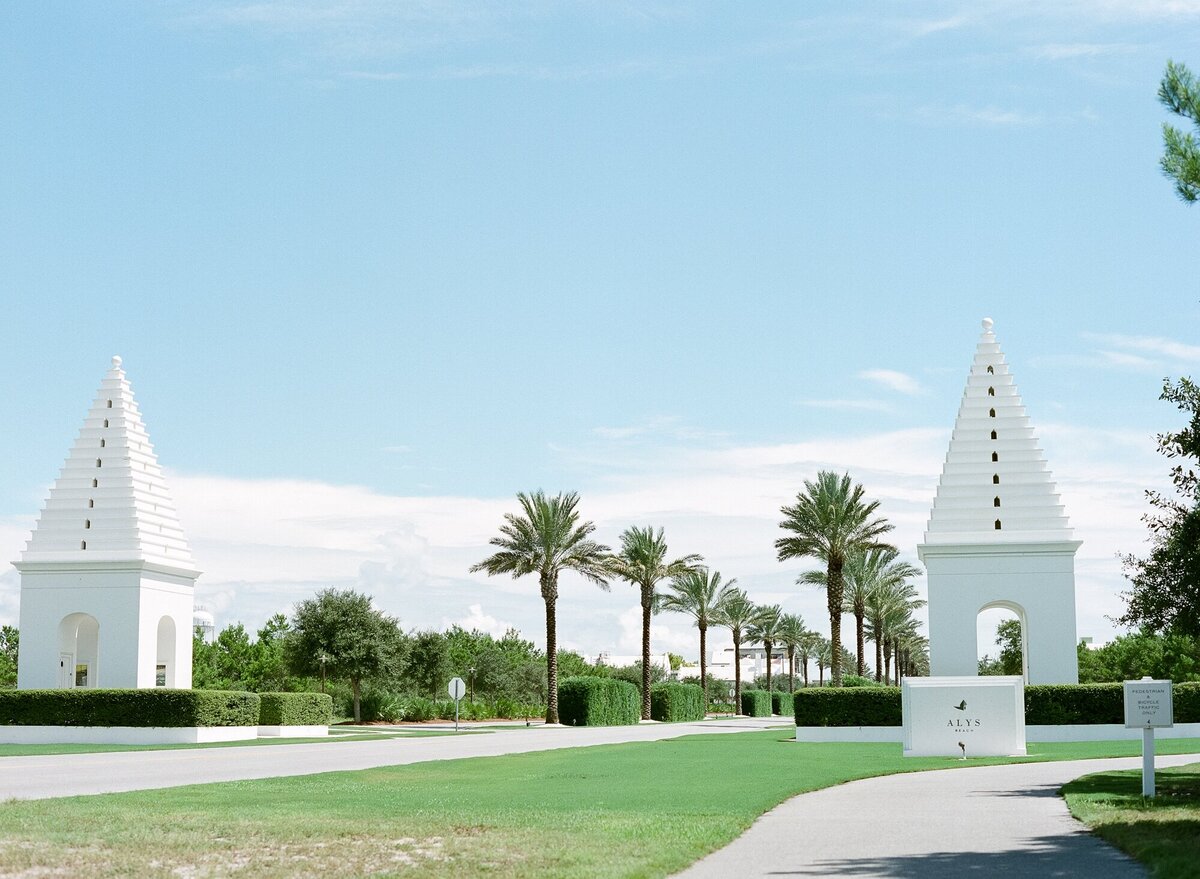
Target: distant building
(616, 660)
(107, 577)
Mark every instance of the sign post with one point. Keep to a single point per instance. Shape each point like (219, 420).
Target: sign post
(457, 688)
(1148, 706)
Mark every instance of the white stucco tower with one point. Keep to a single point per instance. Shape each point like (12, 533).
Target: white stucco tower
(998, 535)
(107, 578)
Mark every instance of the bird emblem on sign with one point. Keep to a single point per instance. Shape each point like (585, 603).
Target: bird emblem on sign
(962, 706)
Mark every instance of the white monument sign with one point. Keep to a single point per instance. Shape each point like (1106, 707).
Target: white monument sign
(964, 716)
(1148, 706)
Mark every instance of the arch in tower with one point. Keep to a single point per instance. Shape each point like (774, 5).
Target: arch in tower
(79, 651)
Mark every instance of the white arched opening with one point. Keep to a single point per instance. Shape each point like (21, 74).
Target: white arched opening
(164, 671)
(990, 644)
(78, 651)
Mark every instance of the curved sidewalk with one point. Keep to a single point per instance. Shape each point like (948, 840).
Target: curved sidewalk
(979, 821)
(64, 775)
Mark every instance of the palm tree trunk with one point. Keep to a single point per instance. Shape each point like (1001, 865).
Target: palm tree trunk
(805, 670)
(737, 672)
(821, 671)
(767, 644)
(703, 665)
(791, 669)
(887, 660)
(551, 659)
(835, 589)
(646, 604)
(878, 657)
(858, 622)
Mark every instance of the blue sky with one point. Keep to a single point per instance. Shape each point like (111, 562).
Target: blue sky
(375, 267)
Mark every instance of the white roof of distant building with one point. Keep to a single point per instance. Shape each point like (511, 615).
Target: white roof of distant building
(110, 502)
(995, 470)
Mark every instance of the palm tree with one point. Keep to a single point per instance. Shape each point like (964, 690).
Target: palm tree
(831, 521)
(865, 572)
(736, 613)
(888, 605)
(642, 560)
(697, 593)
(824, 657)
(547, 540)
(808, 648)
(791, 634)
(766, 629)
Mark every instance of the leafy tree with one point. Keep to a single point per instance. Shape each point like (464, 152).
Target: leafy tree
(737, 613)
(267, 671)
(1131, 656)
(356, 641)
(676, 661)
(547, 540)
(429, 665)
(831, 521)
(697, 593)
(1180, 93)
(9, 642)
(642, 561)
(1165, 593)
(1010, 660)
(766, 630)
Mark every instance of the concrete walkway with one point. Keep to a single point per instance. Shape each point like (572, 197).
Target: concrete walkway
(64, 775)
(982, 821)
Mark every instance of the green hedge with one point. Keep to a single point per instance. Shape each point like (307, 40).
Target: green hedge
(671, 702)
(1045, 705)
(295, 709)
(591, 701)
(157, 707)
(756, 703)
(781, 703)
(857, 706)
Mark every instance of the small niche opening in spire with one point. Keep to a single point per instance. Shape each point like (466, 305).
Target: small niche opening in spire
(995, 457)
(97, 462)
(991, 392)
(991, 413)
(106, 422)
(995, 502)
(995, 479)
(87, 523)
(991, 371)
(102, 444)
(110, 404)
(95, 483)
(997, 524)
(91, 503)
(993, 434)
(83, 544)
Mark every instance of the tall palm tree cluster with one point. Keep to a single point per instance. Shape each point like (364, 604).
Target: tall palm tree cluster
(830, 522)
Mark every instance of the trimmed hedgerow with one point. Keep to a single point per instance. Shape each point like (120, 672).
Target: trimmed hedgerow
(141, 708)
(856, 706)
(592, 701)
(295, 709)
(756, 703)
(781, 703)
(671, 702)
(1045, 705)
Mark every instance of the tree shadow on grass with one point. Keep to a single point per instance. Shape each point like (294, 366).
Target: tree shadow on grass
(1079, 857)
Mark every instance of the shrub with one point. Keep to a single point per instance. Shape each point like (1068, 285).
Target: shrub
(857, 681)
(1074, 703)
(294, 709)
(781, 703)
(141, 708)
(756, 703)
(858, 706)
(671, 702)
(592, 701)
(1187, 703)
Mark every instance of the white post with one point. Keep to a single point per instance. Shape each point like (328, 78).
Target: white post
(1148, 762)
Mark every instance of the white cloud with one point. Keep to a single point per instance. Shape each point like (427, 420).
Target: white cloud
(1063, 51)
(859, 405)
(900, 382)
(477, 620)
(1158, 346)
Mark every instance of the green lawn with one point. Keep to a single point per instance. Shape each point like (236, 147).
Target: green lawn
(1162, 832)
(641, 809)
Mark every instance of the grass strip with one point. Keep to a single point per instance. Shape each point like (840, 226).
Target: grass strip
(632, 810)
(1163, 832)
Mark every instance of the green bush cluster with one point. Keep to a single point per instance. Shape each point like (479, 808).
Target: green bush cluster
(592, 701)
(781, 703)
(397, 707)
(141, 708)
(858, 706)
(756, 703)
(672, 703)
(1045, 705)
(294, 709)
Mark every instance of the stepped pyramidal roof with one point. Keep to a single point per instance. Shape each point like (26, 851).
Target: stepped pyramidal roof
(110, 502)
(996, 487)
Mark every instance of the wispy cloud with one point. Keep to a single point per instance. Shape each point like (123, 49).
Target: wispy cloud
(992, 116)
(666, 426)
(900, 382)
(1158, 347)
(1064, 51)
(852, 405)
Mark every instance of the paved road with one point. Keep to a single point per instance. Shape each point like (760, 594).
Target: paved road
(983, 821)
(73, 774)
